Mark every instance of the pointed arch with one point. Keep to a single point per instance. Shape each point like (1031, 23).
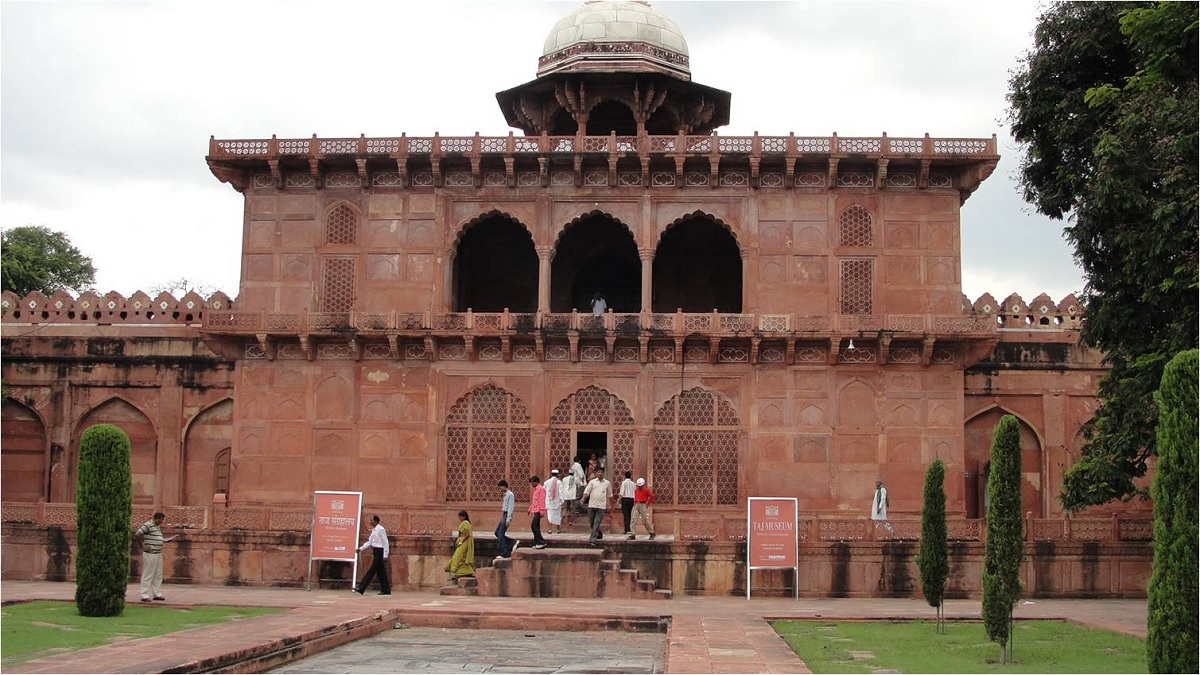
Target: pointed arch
(611, 115)
(595, 252)
(207, 435)
(978, 430)
(487, 438)
(695, 449)
(857, 404)
(341, 223)
(143, 445)
(494, 265)
(592, 408)
(23, 453)
(698, 266)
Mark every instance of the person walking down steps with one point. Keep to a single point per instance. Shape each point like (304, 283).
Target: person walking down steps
(507, 503)
(537, 509)
(643, 499)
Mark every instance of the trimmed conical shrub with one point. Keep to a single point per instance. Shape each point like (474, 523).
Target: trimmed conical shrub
(103, 507)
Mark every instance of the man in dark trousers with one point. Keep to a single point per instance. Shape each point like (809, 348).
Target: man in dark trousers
(378, 543)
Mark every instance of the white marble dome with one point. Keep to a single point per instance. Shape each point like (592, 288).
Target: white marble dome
(618, 22)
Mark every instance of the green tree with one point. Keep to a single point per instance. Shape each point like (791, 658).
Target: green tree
(103, 507)
(34, 258)
(1004, 546)
(932, 558)
(1105, 103)
(1171, 642)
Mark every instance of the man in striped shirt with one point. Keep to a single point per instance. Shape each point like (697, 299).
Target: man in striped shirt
(150, 538)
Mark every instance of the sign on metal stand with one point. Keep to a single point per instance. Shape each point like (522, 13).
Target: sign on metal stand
(773, 538)
(335, 525)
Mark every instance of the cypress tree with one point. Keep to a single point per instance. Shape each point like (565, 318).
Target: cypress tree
(1003, 549)
(103, 507)
(932, 556)
(1171, 642)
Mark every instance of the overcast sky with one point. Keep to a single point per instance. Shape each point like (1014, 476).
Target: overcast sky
(106, 108)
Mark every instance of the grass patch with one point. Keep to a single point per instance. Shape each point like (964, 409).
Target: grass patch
(31, 630)
(915, 647)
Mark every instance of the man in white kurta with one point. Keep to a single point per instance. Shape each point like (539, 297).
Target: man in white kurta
(879, 503)
(554, 501)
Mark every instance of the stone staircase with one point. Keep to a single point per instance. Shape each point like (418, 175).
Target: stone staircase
(557, 573)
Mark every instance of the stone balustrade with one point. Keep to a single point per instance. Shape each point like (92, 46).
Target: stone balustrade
(702, 525)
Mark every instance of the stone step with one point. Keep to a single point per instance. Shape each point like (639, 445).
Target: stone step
(661, 594)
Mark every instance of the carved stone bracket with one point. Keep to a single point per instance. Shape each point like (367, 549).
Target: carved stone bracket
(267, 345)
(308, 346)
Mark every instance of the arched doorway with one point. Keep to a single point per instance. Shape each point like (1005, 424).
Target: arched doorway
(495, 267)
(143, 447)
(596, 253)
(978, 433)
(487, 438)
(695, 450)
(206, 454)
(592, 419)
(697, 268)
(23, 458)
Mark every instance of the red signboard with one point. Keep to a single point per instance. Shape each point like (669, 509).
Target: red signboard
(335, 525)
(771, 535)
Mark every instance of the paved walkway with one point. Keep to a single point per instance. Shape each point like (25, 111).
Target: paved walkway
(706, 634)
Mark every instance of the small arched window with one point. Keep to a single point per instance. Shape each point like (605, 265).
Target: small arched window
(341, 225)
(221, 472)
(855, 230)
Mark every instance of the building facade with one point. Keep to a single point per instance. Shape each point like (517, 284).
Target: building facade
(783, 316)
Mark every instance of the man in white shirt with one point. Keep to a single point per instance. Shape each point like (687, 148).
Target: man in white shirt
(597, 493)
(626, 494)
(580, 481)
(554, 501)
(879, 503)
(599, 306)
(378, 543)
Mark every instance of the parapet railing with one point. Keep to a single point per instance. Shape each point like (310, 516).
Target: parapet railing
(192, 309)
(691, 525)
(436, 146)
(672, 324)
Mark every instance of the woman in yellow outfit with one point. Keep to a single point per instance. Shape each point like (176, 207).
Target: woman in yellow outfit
(462, 563)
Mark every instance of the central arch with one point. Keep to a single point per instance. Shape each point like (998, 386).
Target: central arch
(596, 411)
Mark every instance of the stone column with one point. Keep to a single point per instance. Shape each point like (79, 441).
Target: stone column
(647, 257)
(544, 253)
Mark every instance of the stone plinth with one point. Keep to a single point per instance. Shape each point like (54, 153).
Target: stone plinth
(558, 573)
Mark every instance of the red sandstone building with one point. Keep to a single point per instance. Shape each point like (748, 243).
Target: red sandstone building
(785, 318)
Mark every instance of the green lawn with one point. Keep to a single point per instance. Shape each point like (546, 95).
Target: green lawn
(32, 630)
(915, 647)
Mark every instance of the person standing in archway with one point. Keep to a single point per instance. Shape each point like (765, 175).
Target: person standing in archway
(599, 306)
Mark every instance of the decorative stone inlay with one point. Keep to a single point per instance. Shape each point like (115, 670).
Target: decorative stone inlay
(810, 179)
(290, 351)
(733, 355)
(342, 179)
(495, 179)
(735, 144)
(558, 353)
(857, 355)
(300, 180)
(490, 351)
(452, 352)
(263, 180)
(863, 145)
(595, 178)
(244, 147)
(524, 353)
(662, 354)
(770, 180)
(858, 179)
(771, 355)
(902, 180)
(625, 354)
(253, 351)
(735, 178)
(459, 179)
(943, 355)
(694, 354)
(338, 146)
(662, 179)
(381, 146)
(335, 351)
(940, 180)
(773, 143)
(386, 179)
(695, 179)
(456, 144)
(959, 146)
(591, 353)
(904, 355)
(810, 355)
(414, 351)
(813, 144)
(422, 179)
(378, 352)
(420, 145)
(629, 178)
